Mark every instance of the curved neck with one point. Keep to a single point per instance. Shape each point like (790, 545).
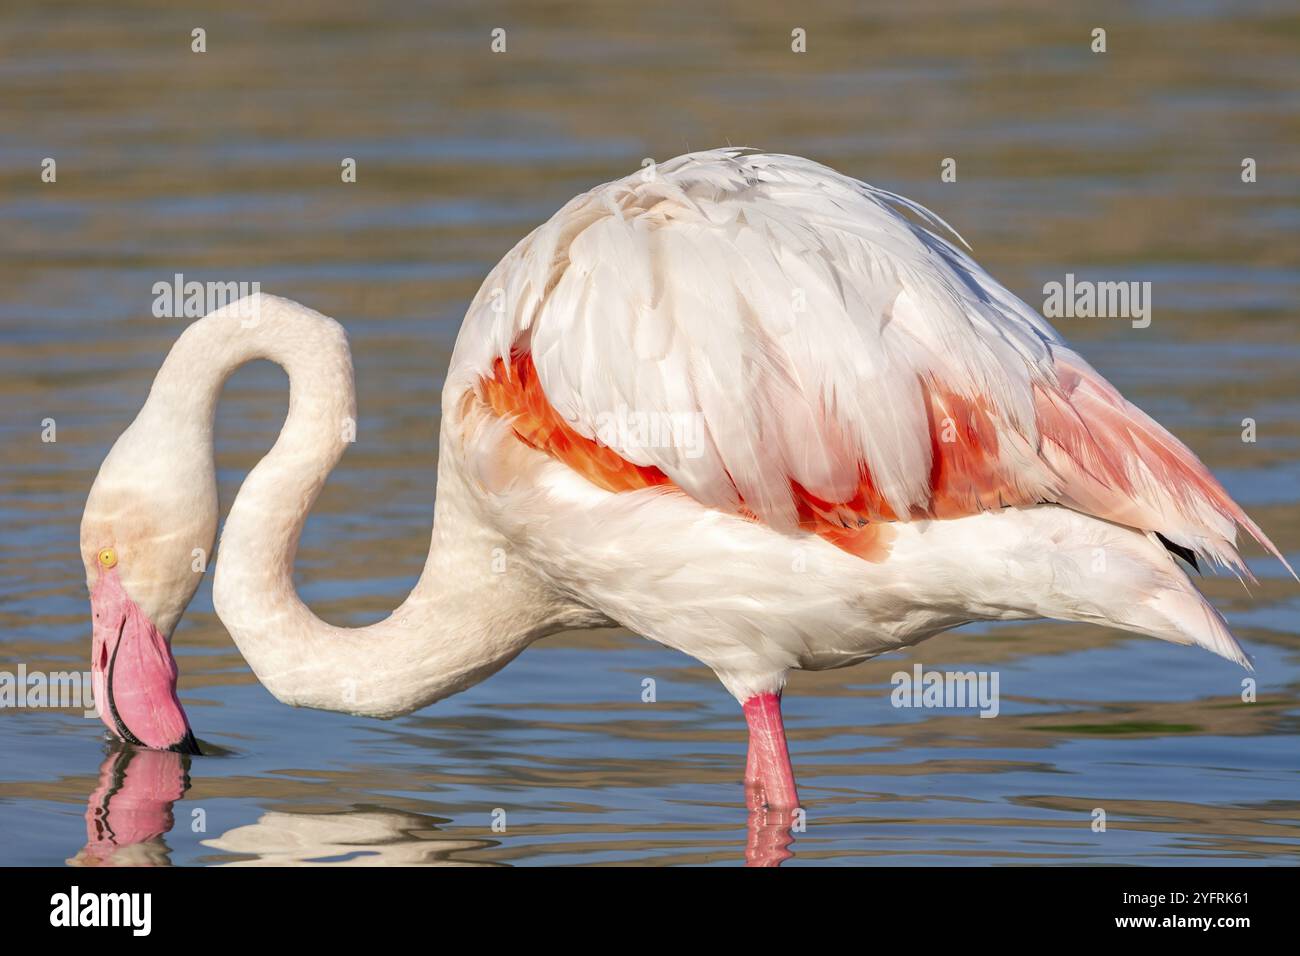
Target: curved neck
(471, 610)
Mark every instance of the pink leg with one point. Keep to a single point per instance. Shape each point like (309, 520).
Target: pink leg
(769, 778)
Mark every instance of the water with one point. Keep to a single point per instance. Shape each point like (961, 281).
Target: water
(225, 165)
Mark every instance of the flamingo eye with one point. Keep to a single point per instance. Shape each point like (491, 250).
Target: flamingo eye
(107, 558)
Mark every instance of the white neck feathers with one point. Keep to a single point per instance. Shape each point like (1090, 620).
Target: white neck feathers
(462, 621)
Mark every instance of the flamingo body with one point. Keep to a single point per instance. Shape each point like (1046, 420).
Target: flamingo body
(745, 406)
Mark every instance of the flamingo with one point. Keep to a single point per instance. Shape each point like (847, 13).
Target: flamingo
(739, 403)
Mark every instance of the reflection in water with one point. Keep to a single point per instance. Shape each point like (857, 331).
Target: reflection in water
(130, 812)
(770, 838)
(362, 837)
(131, 809)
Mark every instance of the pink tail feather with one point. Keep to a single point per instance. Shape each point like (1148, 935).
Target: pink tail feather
(1117, 463)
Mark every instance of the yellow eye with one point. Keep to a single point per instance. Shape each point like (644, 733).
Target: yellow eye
(107, 558)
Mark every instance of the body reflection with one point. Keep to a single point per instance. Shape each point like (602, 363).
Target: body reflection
(360, 837)
(129, 813)
(131, 809)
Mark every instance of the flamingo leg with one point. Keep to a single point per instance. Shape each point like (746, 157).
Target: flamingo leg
(769, 784)
(769, 778)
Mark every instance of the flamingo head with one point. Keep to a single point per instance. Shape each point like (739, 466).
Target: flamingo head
(145, 536)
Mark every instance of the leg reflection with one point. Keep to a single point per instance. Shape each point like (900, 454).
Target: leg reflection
(769, 835)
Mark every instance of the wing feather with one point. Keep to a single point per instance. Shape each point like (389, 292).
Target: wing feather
(836, 362)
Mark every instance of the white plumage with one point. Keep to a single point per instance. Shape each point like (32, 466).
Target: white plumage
(889, 444)
(793, 308)
(803, 317)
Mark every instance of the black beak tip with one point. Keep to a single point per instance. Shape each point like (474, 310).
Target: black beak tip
(187, 745)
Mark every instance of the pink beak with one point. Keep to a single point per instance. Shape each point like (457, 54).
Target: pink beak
(134, 673)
